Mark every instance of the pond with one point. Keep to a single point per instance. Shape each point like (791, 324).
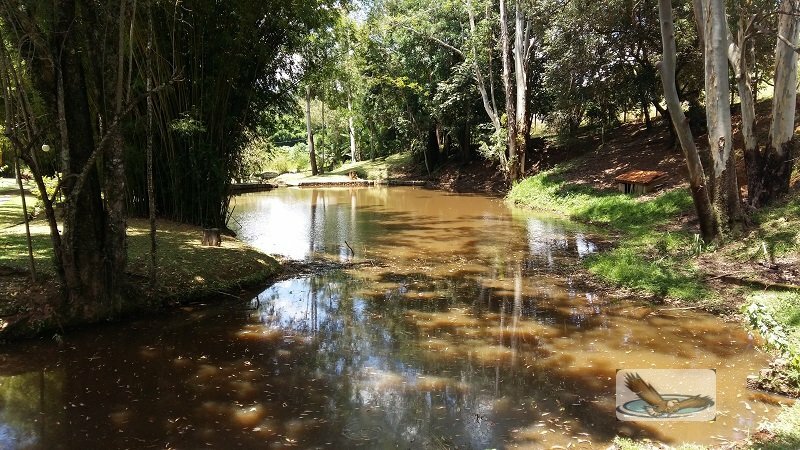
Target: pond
(459, 323)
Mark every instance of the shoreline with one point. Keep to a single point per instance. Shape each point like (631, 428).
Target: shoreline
(187, 272)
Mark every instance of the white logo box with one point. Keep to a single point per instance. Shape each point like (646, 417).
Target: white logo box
(659, 395)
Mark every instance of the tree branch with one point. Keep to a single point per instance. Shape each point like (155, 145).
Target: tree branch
(437, 40)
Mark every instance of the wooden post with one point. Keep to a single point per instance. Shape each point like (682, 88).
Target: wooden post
(212, 237)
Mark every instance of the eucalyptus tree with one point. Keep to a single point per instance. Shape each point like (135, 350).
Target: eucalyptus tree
(768, 169)
(697, 180)
(347, 84)
(724, 185)
(336, 80)
(530, 18)
(318, 63)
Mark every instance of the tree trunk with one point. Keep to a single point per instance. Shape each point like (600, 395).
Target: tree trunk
(351, 128)
(31, 261)
(85, 271)
(151, 189)
(212, 237)
(752, 155)
(432, 148)
(725, 193)
(466, 142)
(700, 195)
(324, 137)
(488, 103)
(114, 189)
(512, 170)
(311, 154)
(666, 116)
(521, 39)
(779, 156)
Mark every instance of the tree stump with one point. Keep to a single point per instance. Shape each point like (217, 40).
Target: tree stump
(212, 237)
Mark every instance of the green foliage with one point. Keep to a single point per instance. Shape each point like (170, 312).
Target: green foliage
(379, 168)
(626, 266)
(773, 332)
(187, 125)
(494, 148)
(785, 430)
(236, 63)
(288, 159)
(776, 317)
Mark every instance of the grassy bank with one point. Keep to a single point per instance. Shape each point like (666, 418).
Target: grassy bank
(379, 168)
(657, 252)
(396, 166)
(651, 254)
(186, 269)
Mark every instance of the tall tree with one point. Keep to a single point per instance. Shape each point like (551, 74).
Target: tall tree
(312, 153)
(769, 169)
(724, 185)
(697, 181)
(90, 256)
(80, 66)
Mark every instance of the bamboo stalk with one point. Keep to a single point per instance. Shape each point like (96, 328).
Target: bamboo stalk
(27, 222)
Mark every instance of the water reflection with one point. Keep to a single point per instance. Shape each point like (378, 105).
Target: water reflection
(464, 333)
(29, 402)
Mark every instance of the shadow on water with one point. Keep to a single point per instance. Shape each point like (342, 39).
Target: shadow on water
(470, 333)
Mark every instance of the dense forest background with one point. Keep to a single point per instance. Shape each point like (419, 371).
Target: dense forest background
(143, 107)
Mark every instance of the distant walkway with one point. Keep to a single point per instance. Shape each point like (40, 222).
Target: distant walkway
(8, 189)
(305, 180)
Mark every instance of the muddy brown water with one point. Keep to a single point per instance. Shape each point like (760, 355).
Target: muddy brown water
(461, 327)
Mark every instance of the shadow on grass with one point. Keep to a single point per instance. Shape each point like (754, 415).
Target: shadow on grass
(184, 265)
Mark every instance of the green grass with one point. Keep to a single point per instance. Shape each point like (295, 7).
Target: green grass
(646, 258)
(630, 444)
(776, 316)
(786, 430)
(186, 269)
(378, 168)
(548, 191)
(778, 230)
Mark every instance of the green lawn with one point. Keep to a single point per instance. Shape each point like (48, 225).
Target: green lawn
(378, 168)
(185, 268)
